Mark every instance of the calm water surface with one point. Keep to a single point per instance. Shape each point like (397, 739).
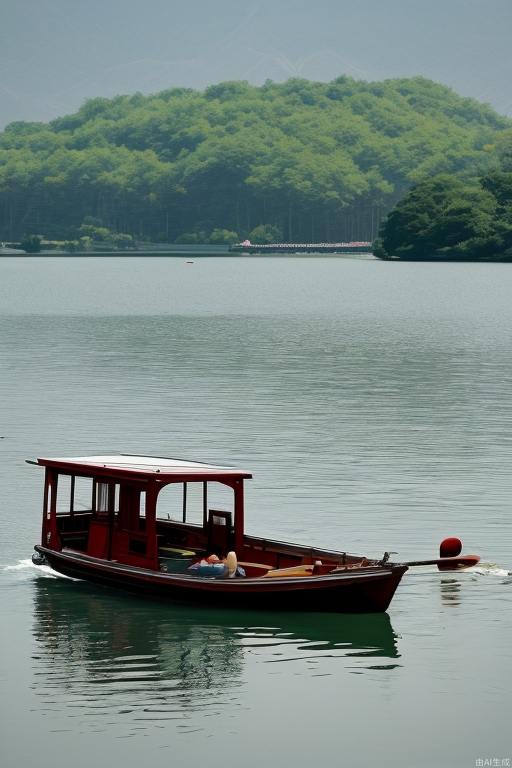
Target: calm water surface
(372, 402)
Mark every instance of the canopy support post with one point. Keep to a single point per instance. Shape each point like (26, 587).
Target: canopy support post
(184, 516)
(151, 534)
(238, 488)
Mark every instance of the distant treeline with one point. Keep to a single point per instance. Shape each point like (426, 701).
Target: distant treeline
(299, 161)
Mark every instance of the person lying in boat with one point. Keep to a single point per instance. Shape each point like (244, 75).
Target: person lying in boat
(214, 567)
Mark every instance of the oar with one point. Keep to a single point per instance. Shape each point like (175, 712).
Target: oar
(449, 558)
(447, 563)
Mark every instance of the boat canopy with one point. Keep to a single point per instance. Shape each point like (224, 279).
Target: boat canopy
(163, 469)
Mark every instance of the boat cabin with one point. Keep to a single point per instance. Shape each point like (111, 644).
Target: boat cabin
(142, 510)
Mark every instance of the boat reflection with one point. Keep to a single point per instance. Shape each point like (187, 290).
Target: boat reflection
(450, 591)
(100, 652)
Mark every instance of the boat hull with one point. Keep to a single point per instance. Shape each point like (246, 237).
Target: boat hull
(356, 590)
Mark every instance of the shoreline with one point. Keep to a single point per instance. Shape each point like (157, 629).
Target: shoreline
(188, 255)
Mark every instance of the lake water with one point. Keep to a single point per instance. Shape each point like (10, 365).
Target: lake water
(372, 402)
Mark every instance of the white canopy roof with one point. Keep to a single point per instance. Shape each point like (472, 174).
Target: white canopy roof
(143, 465)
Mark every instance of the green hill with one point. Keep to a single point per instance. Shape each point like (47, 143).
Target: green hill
(313, 161)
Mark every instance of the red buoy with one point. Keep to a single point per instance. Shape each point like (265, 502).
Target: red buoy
(450, 547)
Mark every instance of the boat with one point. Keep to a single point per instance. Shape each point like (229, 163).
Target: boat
(155, 526)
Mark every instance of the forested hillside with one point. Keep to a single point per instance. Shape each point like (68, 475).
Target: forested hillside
(311, 161)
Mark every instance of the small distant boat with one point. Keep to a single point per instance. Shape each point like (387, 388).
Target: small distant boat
(122, 539)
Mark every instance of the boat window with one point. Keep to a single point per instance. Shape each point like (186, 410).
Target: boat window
(189, 502)
(64, 495)
(74, 494)
(82, 496)
(220, 497)
(102, 494)
(106, 497)
(50, 496)
(181, 502)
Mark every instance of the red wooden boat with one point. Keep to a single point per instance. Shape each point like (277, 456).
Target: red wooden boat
(149, 523)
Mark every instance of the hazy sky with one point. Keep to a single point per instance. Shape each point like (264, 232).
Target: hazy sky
(56, 53)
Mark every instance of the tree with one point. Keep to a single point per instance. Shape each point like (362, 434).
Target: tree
(450, 218)
(265, 233)
(31, 244)
(223, 237)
